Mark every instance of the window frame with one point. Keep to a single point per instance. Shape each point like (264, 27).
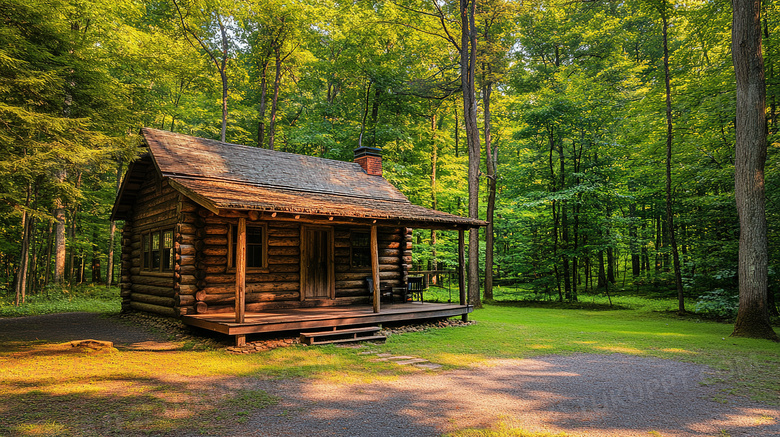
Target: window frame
(353, 247)
(231, 258)
(162, 254)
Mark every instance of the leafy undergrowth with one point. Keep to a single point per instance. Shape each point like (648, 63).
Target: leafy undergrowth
(88, 298)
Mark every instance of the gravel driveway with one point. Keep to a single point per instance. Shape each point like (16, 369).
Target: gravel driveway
(588, 395)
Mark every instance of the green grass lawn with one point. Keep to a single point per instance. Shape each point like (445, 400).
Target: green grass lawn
(56, 390)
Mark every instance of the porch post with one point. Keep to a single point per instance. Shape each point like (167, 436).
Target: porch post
(241, 277)
(461, 270)
(375, 266)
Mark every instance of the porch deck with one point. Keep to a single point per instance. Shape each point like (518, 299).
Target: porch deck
(298, 319)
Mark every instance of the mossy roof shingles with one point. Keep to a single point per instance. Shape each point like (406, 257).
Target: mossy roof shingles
(231, 176)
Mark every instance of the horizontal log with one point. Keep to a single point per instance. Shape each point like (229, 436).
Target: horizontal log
(185, 310)
(201, 308)
(284, 268)
(185, 260)
(215, 229)
(186, 238)
(350, 284)
(187, 279)
(186, 300)
(354, 276)
(187, 270)
(283, 260)
(253, 288)
(275, 251)
(251, 278)
(155, 300)
(389, 260)
(218, 299)
(215, 260)
(215, 251)
(188, 228)
(152, 280)
(184, 249)
(189, 217)
(125, 292)
(186, 289)
(151, 308)
(390, 252)
(284, 242)
(155, 291)
(209, 269)
(136, 245)
(186, 206)
(218, 240)
(284, 232)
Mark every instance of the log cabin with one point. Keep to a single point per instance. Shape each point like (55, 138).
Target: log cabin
(242, 240)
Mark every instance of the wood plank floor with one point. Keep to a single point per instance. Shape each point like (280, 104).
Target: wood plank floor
(323, 317)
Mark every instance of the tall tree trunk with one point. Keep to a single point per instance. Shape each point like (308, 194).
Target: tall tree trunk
(491, 161)
(564, 228)
(59, 234)
(275, 98)
(112, 229)
(224, 78)
(434, 197)
(468, 59)
(669, 215)
(749, 190)
(263, 100)
(21, 276)
(97, 276)
(47, 257)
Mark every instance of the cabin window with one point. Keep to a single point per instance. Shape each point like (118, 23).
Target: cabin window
(167, 250)
(146, 251)
(157, 251)
(256, 246)
(360, 242)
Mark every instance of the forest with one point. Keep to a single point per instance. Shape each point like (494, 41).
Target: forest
(606, 129)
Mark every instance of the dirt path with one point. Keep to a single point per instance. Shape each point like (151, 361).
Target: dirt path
(587, 395)
(64, 327)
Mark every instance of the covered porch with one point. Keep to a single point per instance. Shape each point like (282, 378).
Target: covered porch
(300, 319)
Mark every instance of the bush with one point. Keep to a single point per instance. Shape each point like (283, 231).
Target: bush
(717, 304)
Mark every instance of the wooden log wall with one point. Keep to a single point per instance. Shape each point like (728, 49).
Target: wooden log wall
(157, 208)
(277, 286)
(188, 239)
(394, 249)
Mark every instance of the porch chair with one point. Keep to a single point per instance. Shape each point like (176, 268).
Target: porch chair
(384, 295)
(415, 288)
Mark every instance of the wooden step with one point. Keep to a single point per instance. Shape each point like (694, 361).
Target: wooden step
(342, 336)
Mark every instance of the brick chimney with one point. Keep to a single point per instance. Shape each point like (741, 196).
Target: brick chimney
(370, 158)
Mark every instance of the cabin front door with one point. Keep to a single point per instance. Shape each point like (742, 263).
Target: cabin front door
(317, 274)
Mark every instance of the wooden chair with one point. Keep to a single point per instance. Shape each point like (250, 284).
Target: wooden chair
(384, 295)
(415, 288)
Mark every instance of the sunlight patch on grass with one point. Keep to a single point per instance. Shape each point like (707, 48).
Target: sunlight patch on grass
(502, 430)
(677, 350)
(621, 350)
(49, 428)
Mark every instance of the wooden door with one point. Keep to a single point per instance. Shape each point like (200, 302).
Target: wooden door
(317, 263)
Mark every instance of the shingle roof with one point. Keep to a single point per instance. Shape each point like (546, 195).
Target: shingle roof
(229, 176)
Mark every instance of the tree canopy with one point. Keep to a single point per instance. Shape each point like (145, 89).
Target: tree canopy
(568, 141)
